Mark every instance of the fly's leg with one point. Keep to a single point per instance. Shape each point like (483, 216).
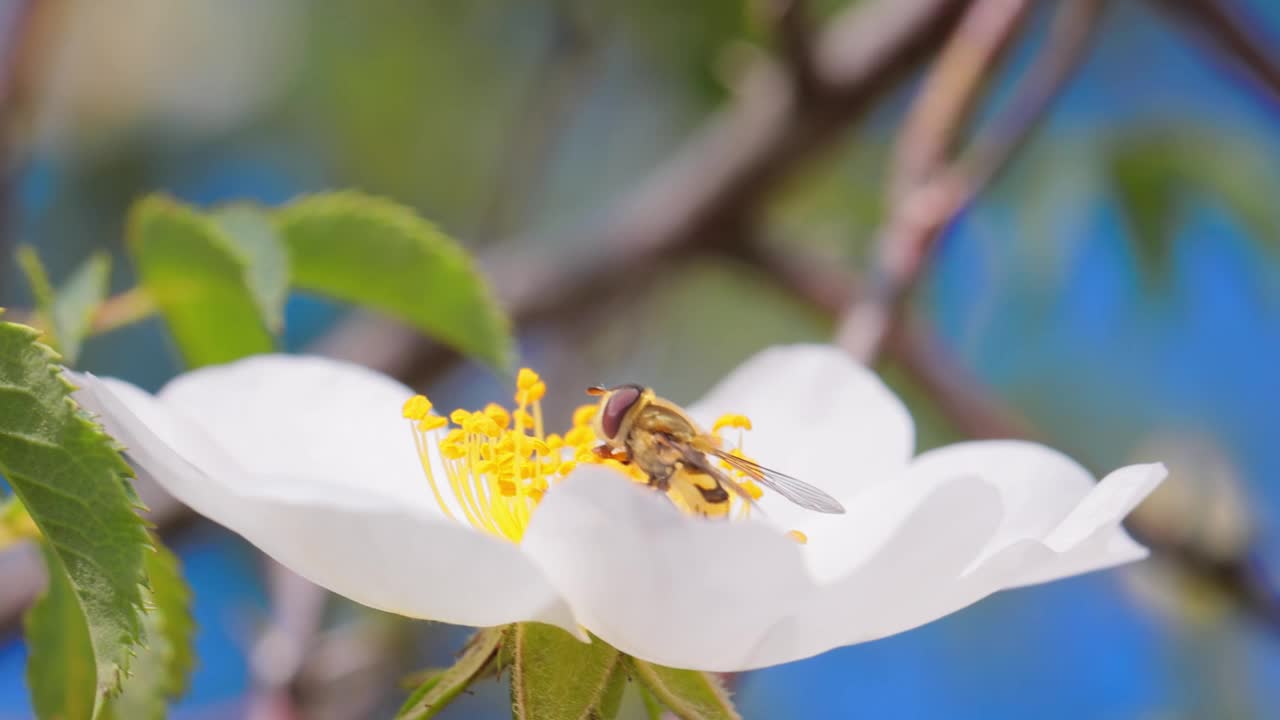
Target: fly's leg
(605, 452)
(661, 478)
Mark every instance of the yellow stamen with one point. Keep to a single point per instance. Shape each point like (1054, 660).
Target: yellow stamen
(798, 537)
(526, 379)
(583, 415)
(416, 407)
(731, 421)
(431, 422)
(498, 414)
(499, 463)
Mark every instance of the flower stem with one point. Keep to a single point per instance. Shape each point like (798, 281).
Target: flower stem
(126, 308)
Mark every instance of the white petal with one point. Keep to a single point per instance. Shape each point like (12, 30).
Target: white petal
(365, 545)
(660, 585)
(816, 415)
(688, 592)
(1091, 537)
(1038, 485)
(1050, 499)
(318, 421)
(910, 544)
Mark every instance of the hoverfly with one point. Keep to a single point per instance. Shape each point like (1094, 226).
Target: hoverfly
(636, 426)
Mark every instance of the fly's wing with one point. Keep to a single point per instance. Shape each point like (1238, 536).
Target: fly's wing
(797, 491)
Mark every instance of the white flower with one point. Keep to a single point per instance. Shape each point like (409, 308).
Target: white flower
(310, 459)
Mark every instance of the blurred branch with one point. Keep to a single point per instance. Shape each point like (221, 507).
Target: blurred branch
(1071, 31)
(951, 90)
(927, 190)
(1223, 23)
(794, 27)
(282, 647)
(956, 392)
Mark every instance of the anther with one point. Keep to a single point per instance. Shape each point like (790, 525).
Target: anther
(498, 414)
(431, 422)
(731, 420)
(526, 379)
(583, 415)
(416, 407)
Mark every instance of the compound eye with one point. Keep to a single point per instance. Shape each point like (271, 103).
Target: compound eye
(616, 407)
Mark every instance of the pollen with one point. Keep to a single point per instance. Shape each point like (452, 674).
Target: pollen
(798, 537)
(739, 422)
(490, 468)
(416, 407)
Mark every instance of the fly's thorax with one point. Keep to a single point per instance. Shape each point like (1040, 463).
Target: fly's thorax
(665, 417)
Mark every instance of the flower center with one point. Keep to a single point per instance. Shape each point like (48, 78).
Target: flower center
(493, 466)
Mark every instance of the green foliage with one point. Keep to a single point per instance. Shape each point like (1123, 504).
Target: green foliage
(555, 676)
(381, 81)
(159, 674)
(382, 255)
(653, 708)
(76, 301)
(221, 277)
(67, 313)
(37, 278)
(60, 667)
(690, 694)
(1158, 175)
(441, 688)
(200, 275)
(686, 41)
(73, 482)
(253, 234)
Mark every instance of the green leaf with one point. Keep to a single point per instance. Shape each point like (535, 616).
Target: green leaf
(690, 694)
(60, 660)
(37, 278)
(555, 676)
(614, 691)
(652, 705)
(159, 673)
(67, 313)
(1149, 193)
(76, 301)
(441, 688)
(1158, 175)
(74, 483)
(253, 233)
(379, 254)
(201, 277)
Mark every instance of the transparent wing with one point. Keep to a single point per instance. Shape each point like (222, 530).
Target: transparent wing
(797, 491)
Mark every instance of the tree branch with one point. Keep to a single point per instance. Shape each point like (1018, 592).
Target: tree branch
(929, 190)
(951, 90)
(794, 28)
(1223, 25)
